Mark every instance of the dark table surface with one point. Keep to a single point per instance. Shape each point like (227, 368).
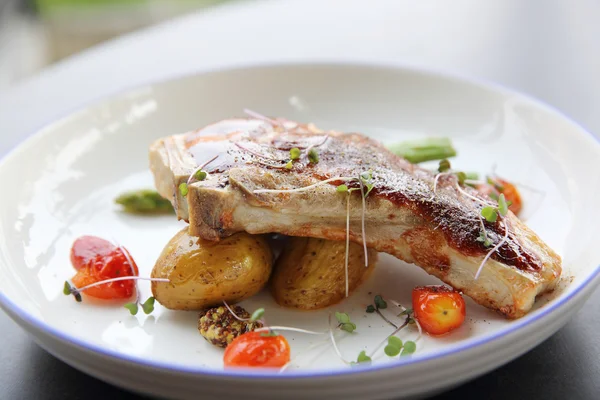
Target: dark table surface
(566, 366)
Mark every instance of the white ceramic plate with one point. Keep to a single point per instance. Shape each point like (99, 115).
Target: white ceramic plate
(60, 184)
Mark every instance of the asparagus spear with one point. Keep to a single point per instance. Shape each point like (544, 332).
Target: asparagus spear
(417, 151)
(144, 201)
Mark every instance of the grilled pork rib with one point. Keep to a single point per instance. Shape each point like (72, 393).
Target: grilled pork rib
(437, 231)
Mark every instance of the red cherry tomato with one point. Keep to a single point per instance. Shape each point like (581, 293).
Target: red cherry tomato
(95, 260)
(257, 349)
(438, 309)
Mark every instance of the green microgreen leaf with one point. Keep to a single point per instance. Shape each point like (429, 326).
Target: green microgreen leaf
(391, 351)
(132, 307)
(148, 305)
(67, 288)
(200, 175)
(502, 206)
(342, 318)
(295, 153)
(363, 357)
(348, 327)
(183, 189)
(380, 302)
(494, 196)
(342, 188)
(313, 156)
(395, 341)
(489, 213)
(444, 165)
(370, 309)
(409, 348)
(257, 314)
(461, 177)
(289, 165)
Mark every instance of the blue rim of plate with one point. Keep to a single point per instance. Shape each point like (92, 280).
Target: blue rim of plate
(14, 311)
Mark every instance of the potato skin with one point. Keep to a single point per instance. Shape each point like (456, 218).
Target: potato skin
(310, 273)
(203, 273)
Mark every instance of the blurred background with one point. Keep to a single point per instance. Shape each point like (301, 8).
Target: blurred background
(35, 33)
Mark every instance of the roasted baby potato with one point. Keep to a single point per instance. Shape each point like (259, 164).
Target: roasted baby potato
(310, 273)
(204, 273)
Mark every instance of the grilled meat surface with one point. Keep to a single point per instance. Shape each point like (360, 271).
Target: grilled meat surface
(250, 187)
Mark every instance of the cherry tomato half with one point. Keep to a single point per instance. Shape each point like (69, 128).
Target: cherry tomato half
(257, 349)
(439, 309)
(95, 260)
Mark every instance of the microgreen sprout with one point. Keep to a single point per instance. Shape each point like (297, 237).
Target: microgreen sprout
(289, 165)
(393, 347)
(200, 175)
(344, 322)
(313, 156)
(362, 358)
(444, 165)
(183, 189)
(342, 188)
(380, 304)
(147, 306)
(295, 153)
(68, 290)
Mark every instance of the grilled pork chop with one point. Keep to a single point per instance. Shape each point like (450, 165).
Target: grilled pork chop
(251, 187)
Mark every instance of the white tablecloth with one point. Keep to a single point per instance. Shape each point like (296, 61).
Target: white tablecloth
(547, 48)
